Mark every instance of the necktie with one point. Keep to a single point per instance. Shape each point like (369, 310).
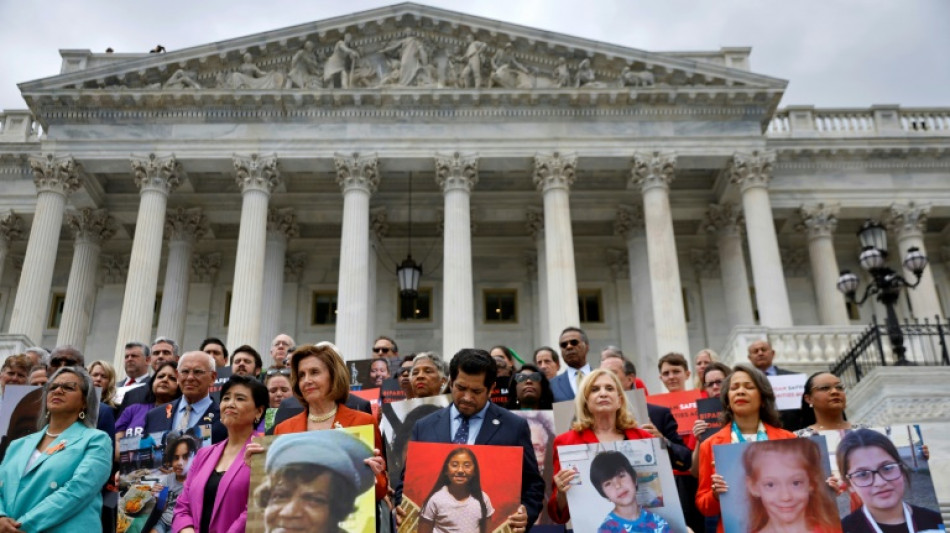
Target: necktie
(183, 422)
(461, 435)
(578, 378)
(130, 382)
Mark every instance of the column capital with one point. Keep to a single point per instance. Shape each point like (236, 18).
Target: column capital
(204, 267)
(11, 228)
(357, 172)
(293, 266)
(58, 174)
(456, 172)
(534, 222)
(379, 221)
(91, 225)
(907, 220)
(704, 261)
(629, 220)
(653, 169)
(794, 261)
(619, 262)
(748, 170)
(190, 225)
(153, 173)
(254, 172)
(114, 269)
(554, 171)
(282, 223)
(724, 219)
(818, 220)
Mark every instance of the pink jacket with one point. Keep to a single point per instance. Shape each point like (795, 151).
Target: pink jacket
(230, 511)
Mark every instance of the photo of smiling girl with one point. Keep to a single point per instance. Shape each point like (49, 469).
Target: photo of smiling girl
(615, 479)
(457, 503)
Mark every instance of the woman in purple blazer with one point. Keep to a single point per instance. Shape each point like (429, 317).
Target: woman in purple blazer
(215, 494)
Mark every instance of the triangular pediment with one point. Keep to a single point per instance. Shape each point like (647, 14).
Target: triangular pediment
(401, 48)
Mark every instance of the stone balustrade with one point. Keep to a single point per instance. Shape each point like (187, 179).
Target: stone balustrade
(800, 348)
(876, 121)
(19, 126)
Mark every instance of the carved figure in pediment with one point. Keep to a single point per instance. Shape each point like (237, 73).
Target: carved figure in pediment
(562, 74)
(585, 76)
(629, 78)
(474, 52)
(413, 61)
(249, 76)
(180, 79)
(505, 68)
(305, 69)
(338, 71)
(447, 67)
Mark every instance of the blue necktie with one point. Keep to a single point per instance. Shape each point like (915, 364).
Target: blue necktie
(461, 435)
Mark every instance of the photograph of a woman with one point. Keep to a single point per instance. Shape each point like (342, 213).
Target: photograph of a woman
(457, 502)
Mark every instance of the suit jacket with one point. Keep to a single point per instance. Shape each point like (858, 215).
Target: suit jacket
(290, 407)
(662, 418)
(60, 492)
(706, 501)
(230, 504)
(160, 419)
(783, 372)
(586, 436)
(499, 428)
(136, 395)
(561, 388)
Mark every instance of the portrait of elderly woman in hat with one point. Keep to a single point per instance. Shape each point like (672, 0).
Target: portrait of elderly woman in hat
(313, 481)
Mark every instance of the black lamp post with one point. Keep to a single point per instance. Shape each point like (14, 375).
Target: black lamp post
(886, 283)
(408, 273)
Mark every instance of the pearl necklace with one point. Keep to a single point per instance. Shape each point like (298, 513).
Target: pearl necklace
(52, 435)
(322, 418)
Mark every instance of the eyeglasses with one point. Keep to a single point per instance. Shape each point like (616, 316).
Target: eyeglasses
(63, 361)
(67, 386)
(381, 349)
(827, 388)
(570, 342)
(865, 478)
(533, 376)
(281, 371)
(711, 384)
(192, 372)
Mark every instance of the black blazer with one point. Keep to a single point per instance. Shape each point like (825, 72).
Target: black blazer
(160, 419)
(662, 418)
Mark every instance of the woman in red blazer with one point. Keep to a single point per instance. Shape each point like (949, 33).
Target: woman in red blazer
(749, 414)
(602, 416)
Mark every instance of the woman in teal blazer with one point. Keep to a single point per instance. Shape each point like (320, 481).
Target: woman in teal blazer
(50, 481)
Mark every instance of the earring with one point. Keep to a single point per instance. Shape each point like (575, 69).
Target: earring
(47, 415)
(82, 415)
(811, 405)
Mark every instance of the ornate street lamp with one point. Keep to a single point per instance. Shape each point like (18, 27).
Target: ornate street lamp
(886, 283)
(408, 272)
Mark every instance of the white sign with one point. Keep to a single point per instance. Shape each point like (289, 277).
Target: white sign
(788, 390)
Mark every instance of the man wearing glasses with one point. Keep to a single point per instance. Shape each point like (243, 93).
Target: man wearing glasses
(385, 347)
(279, 348)
(195, 407)
(574, 346)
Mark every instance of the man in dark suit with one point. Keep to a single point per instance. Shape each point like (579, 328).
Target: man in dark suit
(574, 346)
(472, 419)
(196, 406)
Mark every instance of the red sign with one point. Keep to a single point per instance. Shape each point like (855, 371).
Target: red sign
(682, 405)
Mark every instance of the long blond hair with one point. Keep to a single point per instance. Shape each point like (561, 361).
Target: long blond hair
(585, 420)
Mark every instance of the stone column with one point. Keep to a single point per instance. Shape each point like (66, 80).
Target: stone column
(281, 226)
(535, 225)
(908, 221)
(819, 222)
(11, 229)
(752, 172)
(55, 178)
(379, 229)
(725, 222)
(456, 176)
(553, 175)
(257, 177)
(652, 173)
(156, 178)
(90, 227)
(204, 271)
(358, 178)
(629, 225)
(184, 228)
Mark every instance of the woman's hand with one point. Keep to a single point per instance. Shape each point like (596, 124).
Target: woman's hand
(518, 522)
(253, 448)
(836, 483)
(699, 427)
(562, 480)
(651, 429)
(9, 525)
(376, 463)
(719, 485)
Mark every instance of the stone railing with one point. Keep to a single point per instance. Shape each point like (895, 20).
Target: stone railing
(19, 126)
(876, 121)
(801, 349)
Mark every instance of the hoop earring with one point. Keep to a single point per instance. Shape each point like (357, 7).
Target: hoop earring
(82, 415)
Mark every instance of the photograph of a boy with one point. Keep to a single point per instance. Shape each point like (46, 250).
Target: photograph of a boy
(786, 488)
(616, 480)
(457, 502)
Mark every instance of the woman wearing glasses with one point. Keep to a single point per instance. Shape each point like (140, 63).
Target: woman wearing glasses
(52, 480)
(531, 390)
(823, 405)
(873, 469)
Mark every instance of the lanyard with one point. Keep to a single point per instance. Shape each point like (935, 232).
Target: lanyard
(737, 436)
(911, 527)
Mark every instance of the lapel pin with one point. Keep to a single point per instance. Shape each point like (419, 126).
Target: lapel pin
(495, 421)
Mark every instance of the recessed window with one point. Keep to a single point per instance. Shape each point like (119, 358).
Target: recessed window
(590, 305)
(755, 304)
(156, 311)
(56, 311)
(323, 308)
(227, 308)
(685, 306)
(416, 309)
(854, 312)
(501, 305)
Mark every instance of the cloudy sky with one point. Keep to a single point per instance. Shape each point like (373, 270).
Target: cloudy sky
(835, 53)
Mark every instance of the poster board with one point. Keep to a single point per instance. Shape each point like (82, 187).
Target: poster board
(682, 405)
(709, 410)
(396, 426)
(541, 424)
(788, 390)
(368, 373)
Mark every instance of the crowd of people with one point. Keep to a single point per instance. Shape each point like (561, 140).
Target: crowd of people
(63, 476)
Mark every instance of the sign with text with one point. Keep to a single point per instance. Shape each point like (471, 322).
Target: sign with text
(683, 406)
(788, 390)
(709, 410)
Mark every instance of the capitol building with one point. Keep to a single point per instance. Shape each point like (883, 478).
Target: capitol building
(663, 201)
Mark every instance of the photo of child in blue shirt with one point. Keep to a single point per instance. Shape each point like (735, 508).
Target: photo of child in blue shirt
(615, 479)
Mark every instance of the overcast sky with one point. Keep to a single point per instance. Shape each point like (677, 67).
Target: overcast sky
(835, 53)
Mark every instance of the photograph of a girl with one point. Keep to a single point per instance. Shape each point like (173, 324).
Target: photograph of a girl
(786, 488)
(616, 480)
(457, 502)
(873, 469)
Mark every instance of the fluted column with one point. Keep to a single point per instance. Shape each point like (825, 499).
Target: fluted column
(819, 222)
(358, 177)
(11, 229)
(652, 173)
(156, 178)
(90, 228)
(55, 178)
(257, 177)
(725, 222)
(535, 226)
(456, 176)
(554, 175)
(281, 226)
(629, 225)
(184, 227)
(908, 221)
(752, 173)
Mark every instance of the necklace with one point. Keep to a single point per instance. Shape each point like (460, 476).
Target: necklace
(322, 418)
(53, 435)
